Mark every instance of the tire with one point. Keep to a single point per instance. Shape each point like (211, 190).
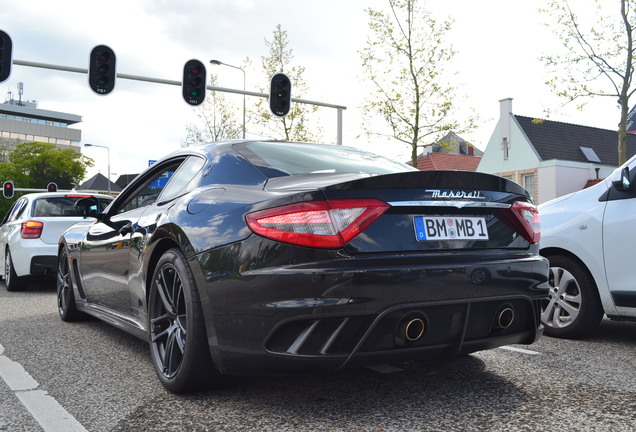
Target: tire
(66, 306)
(574, 308)
(11, 279)
(182, 363)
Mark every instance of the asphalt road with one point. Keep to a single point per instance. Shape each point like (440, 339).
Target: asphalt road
(57, 376)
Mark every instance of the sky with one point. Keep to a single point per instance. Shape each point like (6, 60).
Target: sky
(498, 44)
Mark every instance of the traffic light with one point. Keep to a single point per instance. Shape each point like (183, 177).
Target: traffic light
(193, 83)
(101, 70)
(51, 187)
(280, 95)
(6, 46)
(7, 189)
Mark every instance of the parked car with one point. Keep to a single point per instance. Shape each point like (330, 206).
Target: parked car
(30, 233)
(256, 257)
(588, 236)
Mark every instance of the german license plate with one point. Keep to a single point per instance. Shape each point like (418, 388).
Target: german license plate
(450, 228)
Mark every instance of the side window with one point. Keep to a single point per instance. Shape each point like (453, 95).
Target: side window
(17, 210)
(103, 203)
(632, 170)
(10, 211)
(180, 180)
(148, 189)
(168, 182)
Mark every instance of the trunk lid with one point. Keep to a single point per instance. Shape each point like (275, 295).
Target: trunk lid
(438, 210)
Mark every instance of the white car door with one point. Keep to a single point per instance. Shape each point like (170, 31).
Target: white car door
(619, 238)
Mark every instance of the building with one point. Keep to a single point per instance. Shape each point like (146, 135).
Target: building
(22, 121)
(452, 143)
(550, 158)
(123, 180)
(99, 184)
(449, 153)
(445, 161)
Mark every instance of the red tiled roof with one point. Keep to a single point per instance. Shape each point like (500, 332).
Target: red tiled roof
(592, 182)
(445, 161)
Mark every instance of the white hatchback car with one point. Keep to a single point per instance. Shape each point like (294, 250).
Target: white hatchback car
(30, 231)
(588, 238)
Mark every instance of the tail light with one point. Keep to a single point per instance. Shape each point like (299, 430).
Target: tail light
(525, 220)
(31, 229)
(320, 224)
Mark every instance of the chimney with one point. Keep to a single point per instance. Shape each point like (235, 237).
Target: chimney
(505, 111)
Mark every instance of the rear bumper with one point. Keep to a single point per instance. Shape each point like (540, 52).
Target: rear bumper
(315, 318)
(33, 257)
(329, 343)
(44, 265)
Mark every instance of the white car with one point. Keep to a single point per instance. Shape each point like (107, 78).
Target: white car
(588, 238)
(30, 232)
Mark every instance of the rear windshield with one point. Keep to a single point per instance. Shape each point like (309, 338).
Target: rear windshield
(61, 206)
(279, 159)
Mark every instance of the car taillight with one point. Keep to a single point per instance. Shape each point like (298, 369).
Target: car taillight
(526, 221)
(320, 224)
(31, 229)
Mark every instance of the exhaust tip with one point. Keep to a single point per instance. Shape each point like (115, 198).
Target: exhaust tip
(412, 328)
(505, 317)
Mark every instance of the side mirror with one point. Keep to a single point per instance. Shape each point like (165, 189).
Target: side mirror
(87, 207)
(620, 179)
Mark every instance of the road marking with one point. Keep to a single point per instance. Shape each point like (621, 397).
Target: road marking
(520, 350)
(44, 408)
(48, 412)
(15, 376)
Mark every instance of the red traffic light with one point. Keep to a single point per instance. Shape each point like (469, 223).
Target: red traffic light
(51, 187)
(7, 189)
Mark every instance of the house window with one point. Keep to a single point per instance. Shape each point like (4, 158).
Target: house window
(505, 147)
(528, 183)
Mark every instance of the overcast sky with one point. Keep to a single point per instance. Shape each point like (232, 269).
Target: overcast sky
(498, 44)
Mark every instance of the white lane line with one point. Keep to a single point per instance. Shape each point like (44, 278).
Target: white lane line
(520, 350)
(48, 412)
(15, 376)
(44, 408)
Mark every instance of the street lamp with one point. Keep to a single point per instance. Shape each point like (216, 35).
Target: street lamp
(220, 63)
(97, 145)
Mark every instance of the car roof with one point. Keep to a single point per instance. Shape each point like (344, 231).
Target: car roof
(206, 149)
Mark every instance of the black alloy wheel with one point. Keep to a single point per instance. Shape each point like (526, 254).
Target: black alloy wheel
(178, 342)
(11, 279)
(66, 306)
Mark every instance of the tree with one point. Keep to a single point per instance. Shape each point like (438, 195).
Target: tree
(294, 126)
(218, 121)
(404, 60)
(599, 55)
(37, 163)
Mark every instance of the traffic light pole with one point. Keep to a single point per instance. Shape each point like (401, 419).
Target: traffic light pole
(39, 190)
(339, 108)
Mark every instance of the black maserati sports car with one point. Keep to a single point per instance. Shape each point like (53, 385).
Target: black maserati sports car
(257, 257)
